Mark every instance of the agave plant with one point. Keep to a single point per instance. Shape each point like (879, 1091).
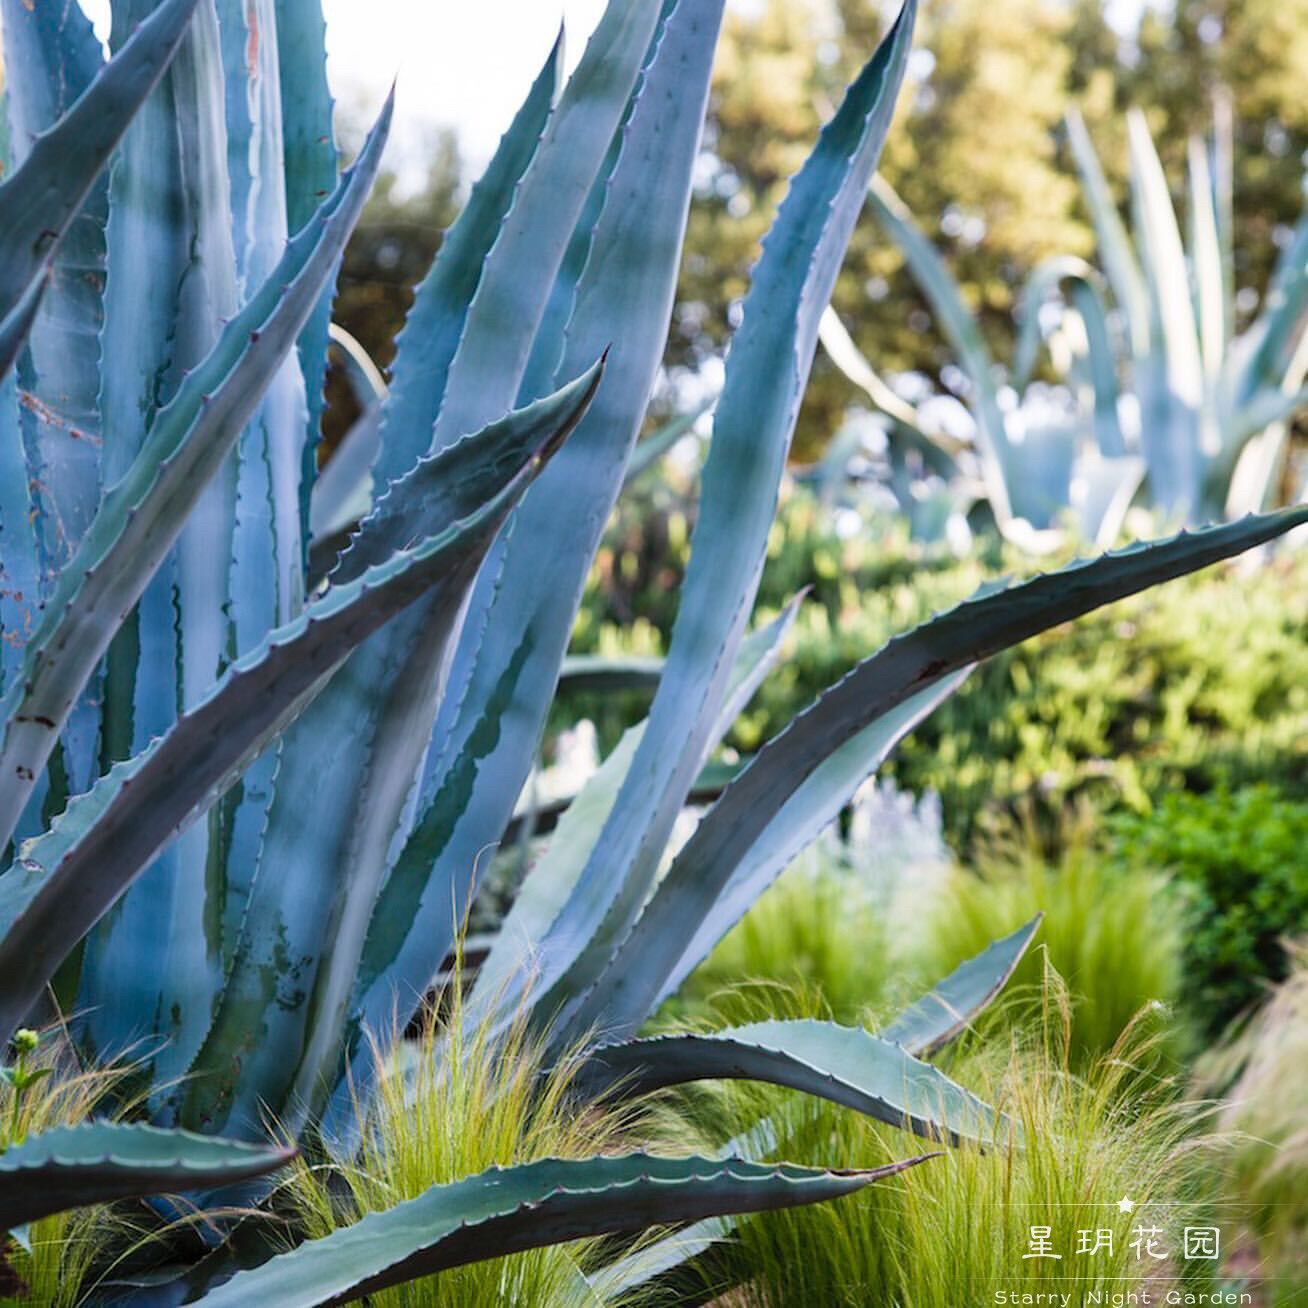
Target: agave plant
(1159, 394)
(249, 808)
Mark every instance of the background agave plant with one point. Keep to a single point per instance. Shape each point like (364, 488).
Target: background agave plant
(1203, 429)
(249, 806)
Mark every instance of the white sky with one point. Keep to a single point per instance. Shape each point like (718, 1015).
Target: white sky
(461, 63)
(465, 64)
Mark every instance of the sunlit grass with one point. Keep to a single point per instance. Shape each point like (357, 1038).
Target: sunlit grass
(1265, 1178)
(461, 1099)
(64, 1246)
(1115, 936)
(955, 1230)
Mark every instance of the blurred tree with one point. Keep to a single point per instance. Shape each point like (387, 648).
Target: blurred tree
(977, 151)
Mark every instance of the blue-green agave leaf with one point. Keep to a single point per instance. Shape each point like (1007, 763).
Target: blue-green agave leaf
(143, 513)
(172, 275)
(98, 1162)
(935, 1019)
(518, 276)
(767, 369)
(506, 667)
(310, 161)
(552, 879)
(283, 1006)
(505, 1211)
(1115, 249)
(1206, 262)
(67, 879)
(425, 348)
(847, 1065)
(813, 807)
(999, 461)
(997, 617)
(40, 199)
(1176, 432)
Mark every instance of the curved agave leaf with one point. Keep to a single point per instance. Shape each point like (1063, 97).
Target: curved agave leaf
(143, 514)
(67, 879)
(997, 617)
(528, 1207)
(767, 368)
(847, 1065)
(999, 466)
(505, 668)
(280, 1016)
(1115, 249)
(39, 201)
(931, 1023)
(72, 1166)
(545, 892)
(810, 810)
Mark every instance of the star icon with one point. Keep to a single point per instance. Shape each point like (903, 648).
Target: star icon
(1125, 1205)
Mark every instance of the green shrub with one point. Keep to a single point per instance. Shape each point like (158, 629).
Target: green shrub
(1242, 859)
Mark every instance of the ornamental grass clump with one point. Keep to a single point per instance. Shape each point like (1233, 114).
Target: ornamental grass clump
(459, 1099)
(1116, 937)
(959, 1232)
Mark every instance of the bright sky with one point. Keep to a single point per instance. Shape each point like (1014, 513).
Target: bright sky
(465, 65)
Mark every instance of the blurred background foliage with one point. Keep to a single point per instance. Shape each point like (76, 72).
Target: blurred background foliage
(979, 156)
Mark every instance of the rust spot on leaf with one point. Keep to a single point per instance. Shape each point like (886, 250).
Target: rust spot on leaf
(252, 41)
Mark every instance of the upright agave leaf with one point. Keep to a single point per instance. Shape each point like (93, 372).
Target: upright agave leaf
(521, 613)
(752, 427)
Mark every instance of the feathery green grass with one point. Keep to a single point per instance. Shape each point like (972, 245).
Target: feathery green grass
(956, 1231)
(1115, 936)
(454, 1103)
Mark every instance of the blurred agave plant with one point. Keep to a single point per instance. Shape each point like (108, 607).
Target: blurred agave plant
(1157, 396)
(248, 807)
